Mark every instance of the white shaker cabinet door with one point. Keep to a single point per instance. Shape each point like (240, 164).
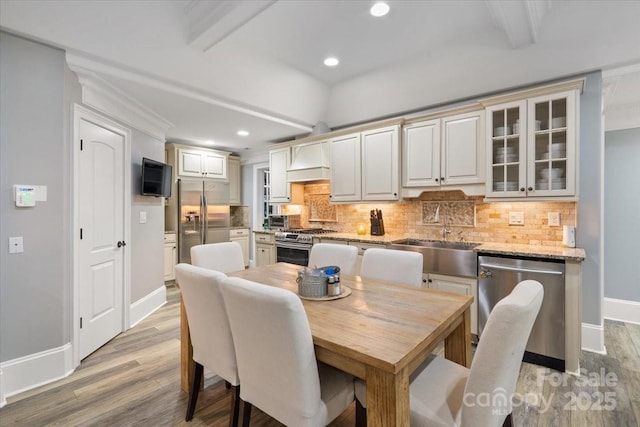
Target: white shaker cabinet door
(345, 169)
(380, 164)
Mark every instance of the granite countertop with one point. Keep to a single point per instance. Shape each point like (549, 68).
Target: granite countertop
(551, 252)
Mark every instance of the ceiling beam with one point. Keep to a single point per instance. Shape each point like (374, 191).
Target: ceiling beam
(210, 22)
(520, 20)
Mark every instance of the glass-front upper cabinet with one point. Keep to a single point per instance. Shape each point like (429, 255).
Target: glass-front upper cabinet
(552, 145)
(507, 149)
(532, 147)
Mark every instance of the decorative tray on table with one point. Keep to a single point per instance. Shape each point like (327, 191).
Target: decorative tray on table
(346, 291)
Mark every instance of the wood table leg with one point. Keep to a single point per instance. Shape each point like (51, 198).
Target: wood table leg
(186, 352)
(387, 398)
(457, 346)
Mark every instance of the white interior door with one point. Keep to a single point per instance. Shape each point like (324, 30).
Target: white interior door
(101, 246)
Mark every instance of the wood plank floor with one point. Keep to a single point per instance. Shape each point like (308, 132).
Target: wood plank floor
(134, 380)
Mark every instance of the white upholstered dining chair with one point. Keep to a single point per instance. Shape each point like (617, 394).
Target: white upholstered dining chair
(344, 256)
(276, 359)
(210, 332)
(392, 265)
(225, 257)
(443, 393)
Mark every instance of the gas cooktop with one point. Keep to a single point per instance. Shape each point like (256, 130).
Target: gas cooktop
(301, 235)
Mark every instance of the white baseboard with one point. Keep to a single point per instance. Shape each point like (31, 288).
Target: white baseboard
(593, 338)
(622, 310)
(3, 400)
(146, 305)
(34, 370)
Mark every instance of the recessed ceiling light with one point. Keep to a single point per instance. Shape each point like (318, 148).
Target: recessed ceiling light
(243, 133)
(331, 61)
(379, 9)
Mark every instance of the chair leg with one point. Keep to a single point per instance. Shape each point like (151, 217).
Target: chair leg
(508, 422)
(361, 414)
(235, 406)
(246, 413)
(195, 389)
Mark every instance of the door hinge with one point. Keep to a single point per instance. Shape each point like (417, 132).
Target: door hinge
(81, 145)
(81, 323)
(81, 234)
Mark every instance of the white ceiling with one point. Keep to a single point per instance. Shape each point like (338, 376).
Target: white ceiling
(213, 67)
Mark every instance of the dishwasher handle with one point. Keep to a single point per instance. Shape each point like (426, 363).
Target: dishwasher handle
(521, 270)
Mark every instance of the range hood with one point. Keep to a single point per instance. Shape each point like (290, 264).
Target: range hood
(309, 162)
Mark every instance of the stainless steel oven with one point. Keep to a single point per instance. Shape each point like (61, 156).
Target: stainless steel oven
(293, 247)
(293, 253)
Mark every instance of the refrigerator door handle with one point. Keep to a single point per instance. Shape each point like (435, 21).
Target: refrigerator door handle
(203, 219)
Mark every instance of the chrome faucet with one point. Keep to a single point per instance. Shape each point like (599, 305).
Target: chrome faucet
(444, 229)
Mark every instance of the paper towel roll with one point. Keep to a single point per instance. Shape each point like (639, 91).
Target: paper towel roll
(569, 236)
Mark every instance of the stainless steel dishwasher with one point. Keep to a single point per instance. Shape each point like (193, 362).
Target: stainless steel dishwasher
(497, 276)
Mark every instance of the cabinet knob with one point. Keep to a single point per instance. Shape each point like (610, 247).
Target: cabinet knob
(330, 195)
(521, 188)
(395, 194)
(530, 189)
(442, 178)
(430, 281)
(436, 179)
(424, 280)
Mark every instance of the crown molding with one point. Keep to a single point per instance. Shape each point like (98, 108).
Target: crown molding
(576, 84)
(95, 67)
(108, 99)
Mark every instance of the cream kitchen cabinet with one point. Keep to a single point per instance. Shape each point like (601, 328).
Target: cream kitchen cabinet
(235, 181)
(456, 285)
(446, 152)
(365, 165)
(170, 256)
(531, 147)
(345, 169)
(265, 249)
(241, 235)
(281, 190)
(202, 163)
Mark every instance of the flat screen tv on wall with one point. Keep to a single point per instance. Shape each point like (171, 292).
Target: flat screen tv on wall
(156, 178)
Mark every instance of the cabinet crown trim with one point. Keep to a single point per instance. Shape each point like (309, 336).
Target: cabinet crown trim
(577, 84)
(341, 132)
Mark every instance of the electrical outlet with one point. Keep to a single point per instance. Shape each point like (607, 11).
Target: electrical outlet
(554, 219)
(16, 245)
(516, 218)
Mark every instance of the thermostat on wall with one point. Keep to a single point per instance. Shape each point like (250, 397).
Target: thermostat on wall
(25, 195)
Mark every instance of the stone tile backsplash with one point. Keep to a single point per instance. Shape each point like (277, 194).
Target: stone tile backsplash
(414, 217)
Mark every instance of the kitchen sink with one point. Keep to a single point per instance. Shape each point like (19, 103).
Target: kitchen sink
(440, 257)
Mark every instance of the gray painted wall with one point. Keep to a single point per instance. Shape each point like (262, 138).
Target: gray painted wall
(37, 92)
(589, 228)
(622, 207)
(147, 240)
(34, 285)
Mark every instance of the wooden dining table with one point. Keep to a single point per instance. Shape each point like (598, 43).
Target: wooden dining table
(380, 333)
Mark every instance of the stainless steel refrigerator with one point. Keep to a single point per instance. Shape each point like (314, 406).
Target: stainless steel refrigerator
(203, 214)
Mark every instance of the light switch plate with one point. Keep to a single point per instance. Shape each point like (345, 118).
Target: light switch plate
(554, 219)
(16, 245)
(143, 217)
(516, 218)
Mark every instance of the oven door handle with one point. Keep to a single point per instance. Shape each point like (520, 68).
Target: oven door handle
(289, 245)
